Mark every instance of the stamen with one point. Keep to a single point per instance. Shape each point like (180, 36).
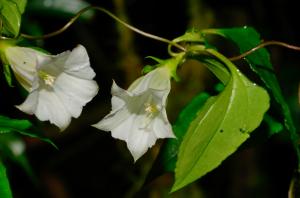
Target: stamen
(151, 110)
(47, 78)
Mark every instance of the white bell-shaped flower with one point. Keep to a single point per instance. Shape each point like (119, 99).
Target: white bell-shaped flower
(138, 114)
(59, 86)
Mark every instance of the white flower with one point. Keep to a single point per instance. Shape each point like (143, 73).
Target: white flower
(59, 86)
(138, 114)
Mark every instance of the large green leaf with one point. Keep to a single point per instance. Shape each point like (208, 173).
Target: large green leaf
(5, 191)
(247, 38)
(10, 14)
(170, 149)
(220, 127)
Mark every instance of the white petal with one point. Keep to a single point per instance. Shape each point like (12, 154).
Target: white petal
(141, 84)
(119, 92)
(51, 108)
(76, 90)
(156, 79)
(159, 96)
(160, 79)
(113, 120)
(139, 142)
(30, 104)
(124, 129)
(116, 103)
(78, 64)
(73, 106)
(162, 129)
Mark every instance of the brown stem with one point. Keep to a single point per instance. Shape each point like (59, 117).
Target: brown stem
(264, 44)
(72, 20)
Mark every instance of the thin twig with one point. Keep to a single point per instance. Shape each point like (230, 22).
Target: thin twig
(72, 20)
(264, 44)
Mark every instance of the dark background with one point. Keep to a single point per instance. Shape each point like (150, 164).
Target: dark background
(90, 163)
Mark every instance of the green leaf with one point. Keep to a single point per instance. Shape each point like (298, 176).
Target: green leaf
(220, 127)
(247, 38)
(170, 150)
(21, 4)
(33, 133)
(23, 127)
(5, 191)
(10, 14)
(8, 125)
(59, 8)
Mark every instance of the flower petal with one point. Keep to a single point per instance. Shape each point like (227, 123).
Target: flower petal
(30, 104)
(112, 120)
(162, 129)
(157, 79)
(78, 64)
(50, 108)
(139, 141)
(75, 91)
(124, 129)
(116, 103)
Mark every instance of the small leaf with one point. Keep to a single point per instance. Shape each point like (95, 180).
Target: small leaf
(10, 14)
(220, 127)
(5, 191)
(33, 133)
(7, 124)
(23, 127)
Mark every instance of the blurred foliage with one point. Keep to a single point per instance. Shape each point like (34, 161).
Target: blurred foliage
(4, 184)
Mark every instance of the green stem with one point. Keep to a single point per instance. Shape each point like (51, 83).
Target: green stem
(72, 20)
